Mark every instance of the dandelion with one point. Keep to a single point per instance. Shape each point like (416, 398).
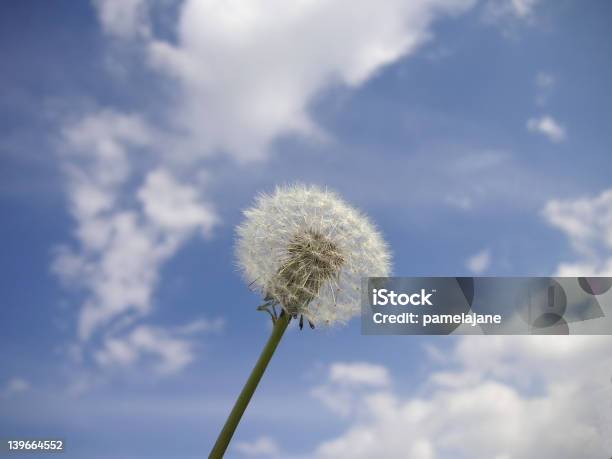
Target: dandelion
(305, 250)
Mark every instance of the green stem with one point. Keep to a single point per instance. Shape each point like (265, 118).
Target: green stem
(249, 388)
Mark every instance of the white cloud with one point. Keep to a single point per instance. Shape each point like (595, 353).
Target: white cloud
(201, 326)
(124, 18)
(129, 222)
(483, 410)
(545, 83)
(456, 379)
(547, 126)
(122, 249)
(174, 206)
(529, 359)
(97, 151)
(588, 224)
(346, 382)
(496, 11)
(359, 373)
(15, 386)
(248, 70)
(263, 446)
(522, 7)
(479, 262)
(171, 352)
(164, 350)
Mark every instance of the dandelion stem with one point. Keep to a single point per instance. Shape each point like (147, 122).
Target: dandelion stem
(242, 402)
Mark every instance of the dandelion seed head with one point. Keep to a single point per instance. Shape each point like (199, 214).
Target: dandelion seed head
(307, 249)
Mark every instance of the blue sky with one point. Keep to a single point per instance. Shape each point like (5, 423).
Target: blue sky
(133, 134)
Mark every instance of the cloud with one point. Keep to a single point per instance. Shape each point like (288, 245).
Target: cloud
(201, 326)
(496, 11)
(483, 409)
(263, 446)
(547, 126)
(15, 386)
(522, 8)
(247, 73)
(359, 373)
(124, 18)
(96, 153)
(174, 206)
(171, 352)
(545, 83)
(587, 222)
(346, 382)
(479, 262)
(130, 220)
(121, 250)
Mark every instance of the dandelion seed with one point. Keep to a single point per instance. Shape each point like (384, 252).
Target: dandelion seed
(308, 250)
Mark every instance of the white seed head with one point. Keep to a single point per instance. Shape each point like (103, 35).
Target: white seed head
(308, 250)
